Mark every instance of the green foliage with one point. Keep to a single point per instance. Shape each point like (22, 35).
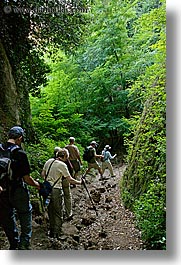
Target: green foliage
(113, 90)
(150, 213)
(39, 153)
(144, 182)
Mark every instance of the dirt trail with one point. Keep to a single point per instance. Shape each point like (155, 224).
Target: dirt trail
(112, 228)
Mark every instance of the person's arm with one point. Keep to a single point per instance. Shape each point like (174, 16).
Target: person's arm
(97, 156)
(110, 156)
(25, 169)
(30, 181)
(43, 173)
(73, 181)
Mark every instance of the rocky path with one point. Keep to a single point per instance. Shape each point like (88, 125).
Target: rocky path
(108, 226)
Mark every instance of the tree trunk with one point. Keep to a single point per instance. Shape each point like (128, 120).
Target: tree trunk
(9, 106)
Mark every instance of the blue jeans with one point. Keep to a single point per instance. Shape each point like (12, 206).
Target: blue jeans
(21, 203)
(7, 221)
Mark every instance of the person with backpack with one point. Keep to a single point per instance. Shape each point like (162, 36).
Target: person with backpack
(91, 156)
(15, 195)
(57, 169)
(74, 156)
(106, 160)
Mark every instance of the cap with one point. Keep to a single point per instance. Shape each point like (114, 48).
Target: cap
(107, 147)
(72, 139)
(16, 132)
(94, 142)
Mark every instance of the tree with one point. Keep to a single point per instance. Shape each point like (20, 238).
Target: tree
(27, 27)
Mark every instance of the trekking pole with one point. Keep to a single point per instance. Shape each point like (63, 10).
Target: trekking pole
(83, 181)
(102, 233)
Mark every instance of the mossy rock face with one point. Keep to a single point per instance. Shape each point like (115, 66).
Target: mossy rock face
(143, 186)
(147, 159)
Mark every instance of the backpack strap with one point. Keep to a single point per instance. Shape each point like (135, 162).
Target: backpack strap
(11, 148)
(14, 147)
(49, 169)
(56, 181)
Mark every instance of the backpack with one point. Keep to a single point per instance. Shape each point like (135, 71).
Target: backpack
(88, 154)
(5, 165)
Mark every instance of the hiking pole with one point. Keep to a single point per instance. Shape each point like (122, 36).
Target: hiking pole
(83, 182)
(102, 233)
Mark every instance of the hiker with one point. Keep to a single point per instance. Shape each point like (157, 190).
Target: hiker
(74, 156)
(106, 163)
(58, 170)
(66, 187)
(16, 197)
(92, 163)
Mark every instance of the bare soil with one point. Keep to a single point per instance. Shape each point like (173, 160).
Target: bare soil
(103, 225)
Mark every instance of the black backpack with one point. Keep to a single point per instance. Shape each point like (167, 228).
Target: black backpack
(88, 154)
(5, 165)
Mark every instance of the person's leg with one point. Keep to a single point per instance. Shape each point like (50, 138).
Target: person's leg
(100, 172)
(67, 197)
(21, 203)
(26, 228)
(58, 211)
(77, 168)
(103, 167)
(8, 223)
(110, 168)
(75, 174)
(88, 169)
(97, 166)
